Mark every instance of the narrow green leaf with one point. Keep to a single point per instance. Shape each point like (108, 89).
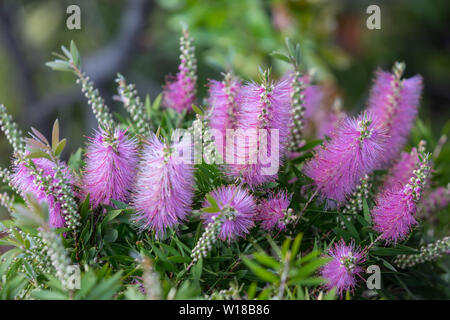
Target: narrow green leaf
(55, 134)
(60, 147)
(261, 272)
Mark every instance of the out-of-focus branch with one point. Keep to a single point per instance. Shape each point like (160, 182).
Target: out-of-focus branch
(100, 66)
(23, 70)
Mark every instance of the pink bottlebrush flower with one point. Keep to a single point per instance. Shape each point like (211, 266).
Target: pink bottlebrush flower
(111, 159)
(353, 151)
(342, 270)
(163, 191)
(393, 215)
(395, 210)
(264, 112)
(273, 212)
(402, 171)
(179, 91)
(238, 209)
(24, 181)
(223, 104)
(395, 102)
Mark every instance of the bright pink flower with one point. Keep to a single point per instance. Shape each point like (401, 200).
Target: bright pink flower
(264, 115)
(402, 171)
(395, 102)
(393, 215)
(353, 151)
(238, 208)
(111, 161)
(273, 212)
(179, 91)
(342, 270)
(24, 181)
(223, 103)
(163, 192)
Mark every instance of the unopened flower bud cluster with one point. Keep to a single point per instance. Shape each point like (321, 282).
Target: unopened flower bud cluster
(202, 133)
(414, 189)
(101, 111)
(430, 252)
(298, 110)
(12, 133)
(35, 252)
(58, 256)
(208, 238)
(134, 105)
(187, 56)
(355, 204)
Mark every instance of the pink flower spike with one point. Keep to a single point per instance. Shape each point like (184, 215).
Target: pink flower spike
(274, 213)
(111, 159)
(345, 266)
(354, 150)
(263, 116)
(24, 181)
(393, 215)
(238, 208)
(179, 92)
(395, 101)
(224, 107)
(163, 192)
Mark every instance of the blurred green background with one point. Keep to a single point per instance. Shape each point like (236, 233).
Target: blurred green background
(139, 38)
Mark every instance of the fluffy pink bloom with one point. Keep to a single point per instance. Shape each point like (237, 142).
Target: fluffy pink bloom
(273, 212)
(179, 91)
(224, 108)
(239, 208)
(24, 181)
(393, 215)
(111, 160)
(342, 270)
(395, 102)
(402, 171)
(163, 192)
(264, 115)
(354, 150)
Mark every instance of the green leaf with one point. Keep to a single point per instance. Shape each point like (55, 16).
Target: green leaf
(75, 54)
(399, 249)
(197, 270)
(49, 295)
(39, 154)
(111, 235)
(55, 135)
(351, 228)
(198, 110)
(112, 214)
(106, 289)
(261, 272)
(157, 102)
(366, 212)
(213, 203)
(179, 259)
(59, 147)
(59, 65)
(266, 260)
(280, 56)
